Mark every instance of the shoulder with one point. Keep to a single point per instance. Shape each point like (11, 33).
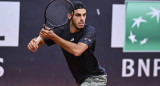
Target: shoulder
(90, 29)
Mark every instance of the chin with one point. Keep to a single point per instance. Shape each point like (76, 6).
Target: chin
(81, 26)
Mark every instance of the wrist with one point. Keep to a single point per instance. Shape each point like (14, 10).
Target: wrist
(53, 36)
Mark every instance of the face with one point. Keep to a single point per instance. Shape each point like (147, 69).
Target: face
(79, 18)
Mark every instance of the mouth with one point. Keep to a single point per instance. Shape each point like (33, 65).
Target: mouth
(81, 23)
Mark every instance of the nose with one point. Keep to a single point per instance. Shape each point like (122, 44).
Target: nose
(82, 18)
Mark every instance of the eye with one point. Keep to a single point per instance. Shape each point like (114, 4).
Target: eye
(78, 15)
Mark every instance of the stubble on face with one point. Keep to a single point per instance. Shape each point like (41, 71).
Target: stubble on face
(79, 18)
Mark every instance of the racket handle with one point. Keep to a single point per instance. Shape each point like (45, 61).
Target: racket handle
(38, 40)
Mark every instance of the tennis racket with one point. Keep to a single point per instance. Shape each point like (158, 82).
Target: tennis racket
(55, 14)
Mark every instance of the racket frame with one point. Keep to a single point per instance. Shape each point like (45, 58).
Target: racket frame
(45, 19)
(53, 26)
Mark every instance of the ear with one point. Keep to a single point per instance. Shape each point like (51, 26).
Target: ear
(69, 16)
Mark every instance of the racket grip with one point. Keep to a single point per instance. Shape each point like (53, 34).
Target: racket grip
(38, 40)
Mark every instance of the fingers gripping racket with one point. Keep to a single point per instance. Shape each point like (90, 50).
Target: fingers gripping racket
(55, 14)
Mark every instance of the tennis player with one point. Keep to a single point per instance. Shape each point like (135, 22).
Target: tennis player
(77, 41)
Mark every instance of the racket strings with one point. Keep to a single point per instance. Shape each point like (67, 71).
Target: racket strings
(57, 11)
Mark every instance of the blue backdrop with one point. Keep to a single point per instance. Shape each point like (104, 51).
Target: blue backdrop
(47, 67)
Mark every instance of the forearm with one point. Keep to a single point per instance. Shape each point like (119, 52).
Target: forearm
(73, 48)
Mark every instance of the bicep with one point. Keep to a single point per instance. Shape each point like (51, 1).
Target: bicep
(82, 46)
(79, 48)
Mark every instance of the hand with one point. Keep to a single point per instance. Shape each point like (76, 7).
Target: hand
(32, 45)
(47, 33)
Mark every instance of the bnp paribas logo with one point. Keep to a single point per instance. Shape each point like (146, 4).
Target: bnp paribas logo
(142, 27)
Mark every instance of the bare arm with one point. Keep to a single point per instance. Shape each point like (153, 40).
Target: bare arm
(33, 46)
(73, 48)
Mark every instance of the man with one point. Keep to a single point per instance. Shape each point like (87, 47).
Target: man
(77, 41)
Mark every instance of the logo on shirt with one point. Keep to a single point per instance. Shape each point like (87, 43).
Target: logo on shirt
(87, 39)
(72, 40)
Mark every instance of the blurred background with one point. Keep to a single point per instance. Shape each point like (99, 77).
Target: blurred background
(47, 67)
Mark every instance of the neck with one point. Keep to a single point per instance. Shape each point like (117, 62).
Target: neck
(73, 29)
